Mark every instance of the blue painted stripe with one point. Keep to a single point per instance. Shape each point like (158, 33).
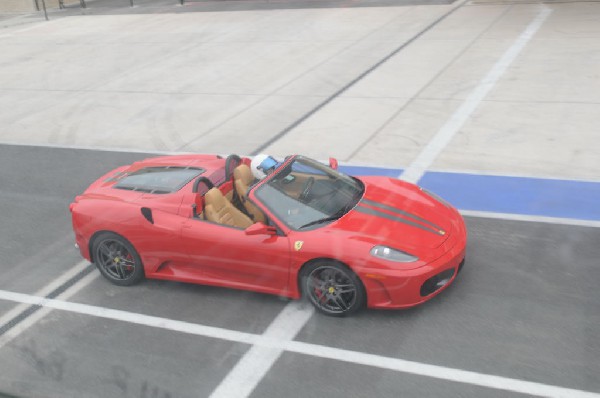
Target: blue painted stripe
(501, 194)
(370, 171)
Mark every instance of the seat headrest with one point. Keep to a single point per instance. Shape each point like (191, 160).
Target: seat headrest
(243, 172)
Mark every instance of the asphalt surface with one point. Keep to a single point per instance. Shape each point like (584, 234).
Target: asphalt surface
(526, 306)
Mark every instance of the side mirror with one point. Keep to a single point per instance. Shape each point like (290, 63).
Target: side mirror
(333, 163)
(259, 228)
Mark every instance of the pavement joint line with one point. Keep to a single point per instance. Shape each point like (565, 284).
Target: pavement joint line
(360, 77)
(278, 339)
(417, 96)
(447, 132)
(31, 314)
(274, 91)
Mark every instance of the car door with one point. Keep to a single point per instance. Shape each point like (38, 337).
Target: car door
(226, 255)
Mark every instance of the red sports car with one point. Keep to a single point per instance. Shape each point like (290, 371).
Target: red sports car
(305, 229)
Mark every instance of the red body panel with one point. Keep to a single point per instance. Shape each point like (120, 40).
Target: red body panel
(177, 246)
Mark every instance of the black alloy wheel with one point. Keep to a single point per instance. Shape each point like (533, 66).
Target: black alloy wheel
(117, 260)
(333, 288)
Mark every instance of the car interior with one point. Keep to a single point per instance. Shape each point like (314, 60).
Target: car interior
(228, 203)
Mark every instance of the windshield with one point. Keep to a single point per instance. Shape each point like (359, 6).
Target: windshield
(306, 194)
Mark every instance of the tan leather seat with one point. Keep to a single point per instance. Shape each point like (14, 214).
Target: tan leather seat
(219, 210)
(243, 178)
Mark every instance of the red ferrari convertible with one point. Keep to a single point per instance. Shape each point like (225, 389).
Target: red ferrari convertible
(305, 229)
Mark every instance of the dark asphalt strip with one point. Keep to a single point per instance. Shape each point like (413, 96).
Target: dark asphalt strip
(53, 294)
(333, 96)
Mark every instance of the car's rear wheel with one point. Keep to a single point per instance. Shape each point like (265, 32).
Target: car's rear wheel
(117, 259)
(332, 288)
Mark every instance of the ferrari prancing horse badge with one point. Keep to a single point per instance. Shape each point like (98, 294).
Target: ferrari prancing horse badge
(298, 245)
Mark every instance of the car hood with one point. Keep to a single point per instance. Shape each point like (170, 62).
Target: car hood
(398, 214)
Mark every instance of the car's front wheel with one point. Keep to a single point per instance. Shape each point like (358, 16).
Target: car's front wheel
(332, 288)
(117, 259)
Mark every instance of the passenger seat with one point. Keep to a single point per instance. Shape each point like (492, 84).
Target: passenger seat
(219, 210)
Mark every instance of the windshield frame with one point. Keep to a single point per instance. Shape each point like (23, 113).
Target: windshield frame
(273, 181)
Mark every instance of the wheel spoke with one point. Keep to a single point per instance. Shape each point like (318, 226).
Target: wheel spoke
(328, 275)
(348, 288)
(105, 251)
(340, 302)
(120, 270)
(317, 283)
(112, 269)
(129, 263)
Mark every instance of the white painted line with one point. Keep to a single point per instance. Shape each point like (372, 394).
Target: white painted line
(279, 340)
(38, 315)
(437, 144)
(44, 291)
(528, 218)
(438, 372)
(254, 365)
(135, 318)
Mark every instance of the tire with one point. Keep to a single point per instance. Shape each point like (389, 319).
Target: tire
(332, 288)
(117, 260)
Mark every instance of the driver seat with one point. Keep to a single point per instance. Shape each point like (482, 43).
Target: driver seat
(219, 210)
(243, 179)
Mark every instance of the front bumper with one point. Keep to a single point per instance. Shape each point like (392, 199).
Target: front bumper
(396, 288)
(404, 289)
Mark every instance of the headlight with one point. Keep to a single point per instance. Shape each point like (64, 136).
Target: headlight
(387, 253)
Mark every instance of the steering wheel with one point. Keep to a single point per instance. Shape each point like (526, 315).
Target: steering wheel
(306, 189)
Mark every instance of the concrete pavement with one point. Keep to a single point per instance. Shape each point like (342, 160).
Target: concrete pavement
(229, 81)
